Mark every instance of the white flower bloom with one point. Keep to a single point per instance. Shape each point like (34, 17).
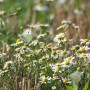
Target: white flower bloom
(2, 72)
(2, 12)
(54, 56)
(55, 77)
(88, 58)
(40, 7)
(45, 79)
(41, 36)
(75, 26)
(83, 41)
(35, 42)
(81, 55)
(66, 80)
(67, 62)
(8, 64)
(87, 48)
(64, 53)
(2, 54)
(56, 67)
(88, 43)
(59, 37)
(18, 56)
(66, 22)
(54, 88)
(78, 12)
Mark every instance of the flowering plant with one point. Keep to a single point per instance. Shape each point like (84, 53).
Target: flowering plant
(54, 65)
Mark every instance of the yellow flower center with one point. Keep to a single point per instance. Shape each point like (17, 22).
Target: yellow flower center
(24, 47)
(66, 62)
(53, 52)
(36, 41)
(8, 64)
(69, 58)
(78, 68)
(39, 4)
(82, 49)
(83, 54)
(44, 79)
(57, 68)
(85, 40)
(59, 37)
(43, 58)
(65, 80)
(26, 65)
(63, 52)
(17, 41)
(21, 53)
(54, 78)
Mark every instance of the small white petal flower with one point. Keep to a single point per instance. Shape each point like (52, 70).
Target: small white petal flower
(45, 79)
(2, 72)
(2, 54)
(54, 88)
(8, 64)
(2, 12)
(59, 37)
(40, 7)
(41, 36)
(56, 67)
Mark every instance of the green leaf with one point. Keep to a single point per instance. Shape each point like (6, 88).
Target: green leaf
(69, 87)
(86, 85)
(75, 86)
(1, 88)
(77, 3)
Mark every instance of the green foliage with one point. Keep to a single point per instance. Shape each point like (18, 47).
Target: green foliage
(1, 88)
(69, 87)
(87, 85)
(43, 58)
(77, 3)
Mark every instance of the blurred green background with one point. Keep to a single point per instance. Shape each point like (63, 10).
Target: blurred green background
(16, 15)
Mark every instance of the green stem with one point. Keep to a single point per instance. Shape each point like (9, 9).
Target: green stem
(75, 86)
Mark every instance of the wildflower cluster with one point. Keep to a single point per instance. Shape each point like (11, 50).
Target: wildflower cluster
(56, 63)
